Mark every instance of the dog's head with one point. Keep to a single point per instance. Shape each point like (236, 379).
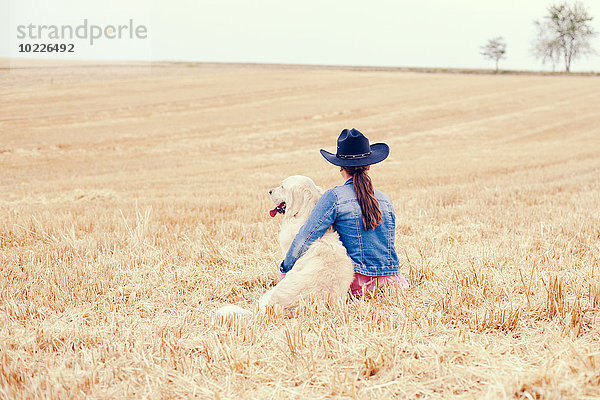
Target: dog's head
(296, 195)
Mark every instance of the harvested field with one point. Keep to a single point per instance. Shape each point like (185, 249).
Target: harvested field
(133, 203)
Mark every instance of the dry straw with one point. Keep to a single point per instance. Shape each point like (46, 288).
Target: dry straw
(137, 218)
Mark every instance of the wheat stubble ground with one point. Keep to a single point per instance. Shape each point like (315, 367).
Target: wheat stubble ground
(134, 203)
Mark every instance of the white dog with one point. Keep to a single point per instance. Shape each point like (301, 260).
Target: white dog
(324, 270)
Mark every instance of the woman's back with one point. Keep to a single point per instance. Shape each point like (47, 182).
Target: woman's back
(372, 251)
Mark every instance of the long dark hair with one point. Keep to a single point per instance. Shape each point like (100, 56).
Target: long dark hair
(371, 215)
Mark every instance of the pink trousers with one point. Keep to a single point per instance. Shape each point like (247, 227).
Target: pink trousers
(363, 283)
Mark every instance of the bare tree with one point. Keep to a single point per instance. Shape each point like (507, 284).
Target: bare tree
(494, 49)
(545, 47)
(565, 32)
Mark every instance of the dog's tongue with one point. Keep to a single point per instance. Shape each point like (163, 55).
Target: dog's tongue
(280, 208)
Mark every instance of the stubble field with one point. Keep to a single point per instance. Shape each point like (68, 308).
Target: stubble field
(133, 203)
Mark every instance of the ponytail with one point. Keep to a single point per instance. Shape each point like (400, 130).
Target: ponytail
(371, 215)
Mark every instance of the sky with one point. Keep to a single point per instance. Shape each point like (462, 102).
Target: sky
(425, 33)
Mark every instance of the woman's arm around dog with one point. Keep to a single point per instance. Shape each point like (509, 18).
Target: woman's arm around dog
(320, 219)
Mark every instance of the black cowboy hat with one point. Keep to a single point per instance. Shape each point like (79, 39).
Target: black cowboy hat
(353, 150)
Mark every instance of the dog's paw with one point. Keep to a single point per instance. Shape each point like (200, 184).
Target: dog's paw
(264, 301)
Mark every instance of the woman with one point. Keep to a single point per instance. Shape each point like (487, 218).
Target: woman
(363, 217)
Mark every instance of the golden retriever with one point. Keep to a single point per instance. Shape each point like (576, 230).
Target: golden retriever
(323, 271)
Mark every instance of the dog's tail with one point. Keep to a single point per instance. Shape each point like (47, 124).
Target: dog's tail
(232, 311)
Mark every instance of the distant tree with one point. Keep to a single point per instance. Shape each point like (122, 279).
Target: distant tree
(545, 47)
(495, 49)
(565, 32)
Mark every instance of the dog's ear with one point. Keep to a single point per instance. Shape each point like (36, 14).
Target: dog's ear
(294, 202)
(302, 198)
(315, 191)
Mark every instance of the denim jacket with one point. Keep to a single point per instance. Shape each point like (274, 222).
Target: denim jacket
(372, 252)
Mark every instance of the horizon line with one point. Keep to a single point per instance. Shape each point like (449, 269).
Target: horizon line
(5, 64)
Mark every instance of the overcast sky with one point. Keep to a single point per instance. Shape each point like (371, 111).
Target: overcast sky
(427, 33)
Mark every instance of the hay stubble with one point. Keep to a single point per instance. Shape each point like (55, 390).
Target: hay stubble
(133, 206)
